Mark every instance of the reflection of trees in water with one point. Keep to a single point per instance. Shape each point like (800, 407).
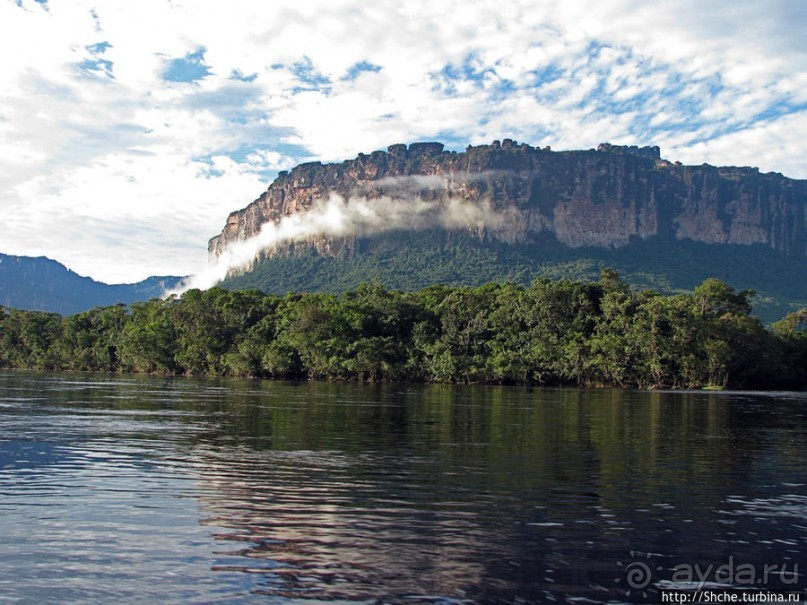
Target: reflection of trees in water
(324, 525)
(337, 491)
(358, 491)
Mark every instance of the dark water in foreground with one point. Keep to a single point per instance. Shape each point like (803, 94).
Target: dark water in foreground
(120, 489)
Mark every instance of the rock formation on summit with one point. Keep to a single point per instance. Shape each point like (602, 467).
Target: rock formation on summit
(600, 198)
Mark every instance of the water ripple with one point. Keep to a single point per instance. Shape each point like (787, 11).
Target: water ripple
(195, 491)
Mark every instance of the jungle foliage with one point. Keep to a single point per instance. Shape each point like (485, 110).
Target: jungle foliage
(548, 333)
(412, 261)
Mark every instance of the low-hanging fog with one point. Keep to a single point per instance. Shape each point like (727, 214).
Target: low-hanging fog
(358, 215)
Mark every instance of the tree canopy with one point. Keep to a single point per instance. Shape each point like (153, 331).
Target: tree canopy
(550, 332)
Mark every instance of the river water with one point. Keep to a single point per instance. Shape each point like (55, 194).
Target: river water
(157, 490)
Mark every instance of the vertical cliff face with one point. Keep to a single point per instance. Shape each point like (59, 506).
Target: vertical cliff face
(582, 198)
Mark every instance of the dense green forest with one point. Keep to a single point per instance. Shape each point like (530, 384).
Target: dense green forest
(550, 332)
(414, 260)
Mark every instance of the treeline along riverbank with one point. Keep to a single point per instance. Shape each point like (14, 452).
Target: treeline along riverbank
(552, 332)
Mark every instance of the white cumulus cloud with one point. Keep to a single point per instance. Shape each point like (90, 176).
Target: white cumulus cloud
(129, 130)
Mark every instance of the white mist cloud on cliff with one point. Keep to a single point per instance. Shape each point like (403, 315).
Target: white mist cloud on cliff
(357, 216)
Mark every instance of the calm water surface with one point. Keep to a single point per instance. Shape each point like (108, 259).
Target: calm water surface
(149, 490)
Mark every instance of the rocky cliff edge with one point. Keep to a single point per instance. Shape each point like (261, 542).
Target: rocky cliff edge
(601, 197)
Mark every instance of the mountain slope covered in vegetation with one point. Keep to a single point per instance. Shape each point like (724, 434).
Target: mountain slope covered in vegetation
(42, 284)
(536, 213)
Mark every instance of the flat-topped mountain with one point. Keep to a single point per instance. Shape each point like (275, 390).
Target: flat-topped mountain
(600, 198)
(549, 213)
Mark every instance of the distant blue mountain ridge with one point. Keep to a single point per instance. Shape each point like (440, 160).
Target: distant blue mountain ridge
(42, 284)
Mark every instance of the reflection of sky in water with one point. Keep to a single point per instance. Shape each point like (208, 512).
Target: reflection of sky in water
(86, 521)
(159, 490)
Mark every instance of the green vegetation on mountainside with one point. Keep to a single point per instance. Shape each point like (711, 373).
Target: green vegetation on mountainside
(41, 284)
(409, 261)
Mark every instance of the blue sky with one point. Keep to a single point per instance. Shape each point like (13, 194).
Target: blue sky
(129, 130)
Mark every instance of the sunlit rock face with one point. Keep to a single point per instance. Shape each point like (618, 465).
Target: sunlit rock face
(603, 197)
